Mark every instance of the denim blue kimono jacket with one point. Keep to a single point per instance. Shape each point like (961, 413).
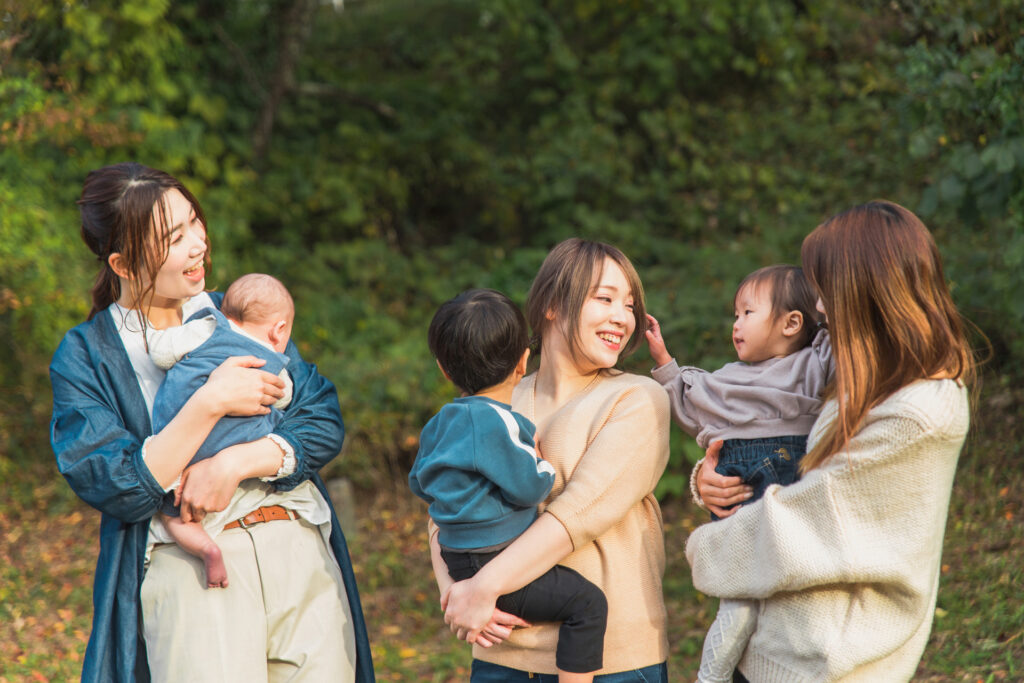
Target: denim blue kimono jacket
(99, 423)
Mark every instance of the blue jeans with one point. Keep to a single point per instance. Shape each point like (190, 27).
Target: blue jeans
(485, 672)
(762, 462)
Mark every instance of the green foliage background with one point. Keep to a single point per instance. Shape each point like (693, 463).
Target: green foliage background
(423, 147)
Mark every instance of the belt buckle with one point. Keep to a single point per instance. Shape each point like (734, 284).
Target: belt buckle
(257, 513)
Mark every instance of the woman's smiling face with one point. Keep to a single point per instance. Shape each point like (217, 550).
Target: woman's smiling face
(182, 274)
(606, 319)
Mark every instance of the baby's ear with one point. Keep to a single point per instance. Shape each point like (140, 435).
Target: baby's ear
(792, 323)
(278, 331)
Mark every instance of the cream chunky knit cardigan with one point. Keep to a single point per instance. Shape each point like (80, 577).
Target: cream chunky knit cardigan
(609, 446)
(846, 561)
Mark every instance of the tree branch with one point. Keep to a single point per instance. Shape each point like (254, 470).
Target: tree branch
(381, 109)
(295, 25)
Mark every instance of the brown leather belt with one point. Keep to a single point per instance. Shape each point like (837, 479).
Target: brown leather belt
(268, 513)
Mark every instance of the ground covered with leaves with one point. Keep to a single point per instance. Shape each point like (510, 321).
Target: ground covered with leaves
(49, 540)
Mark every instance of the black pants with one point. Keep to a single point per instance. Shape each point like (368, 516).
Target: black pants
(560, 594)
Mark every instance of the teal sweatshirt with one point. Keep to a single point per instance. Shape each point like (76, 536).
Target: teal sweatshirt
(478, 469)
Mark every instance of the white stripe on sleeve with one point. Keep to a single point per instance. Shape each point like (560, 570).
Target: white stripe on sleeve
(543, 466)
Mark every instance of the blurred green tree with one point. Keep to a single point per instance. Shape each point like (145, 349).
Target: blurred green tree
(382, 157)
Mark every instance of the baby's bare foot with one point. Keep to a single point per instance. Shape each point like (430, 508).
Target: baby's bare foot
(216, 570)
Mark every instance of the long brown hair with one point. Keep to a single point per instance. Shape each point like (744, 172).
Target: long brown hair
(890, 314)
(565, 281)
(117, 217)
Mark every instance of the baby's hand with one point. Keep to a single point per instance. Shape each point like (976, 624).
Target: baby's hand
(655, 342)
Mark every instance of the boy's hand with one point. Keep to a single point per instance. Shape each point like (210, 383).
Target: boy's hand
(656, 343)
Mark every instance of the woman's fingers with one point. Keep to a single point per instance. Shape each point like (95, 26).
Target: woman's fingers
(191, 514)
(711, 455)
(499, 628)
(719, 492)
(722, 491)
(721, 512)
(242, 389)
(272, 391)
(244, 362)
(503, 622)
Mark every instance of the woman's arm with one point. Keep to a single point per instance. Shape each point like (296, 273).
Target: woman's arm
(232, 389)
(208, 485)
(312, 426)
(867, 515)
(622, 465)
(312, 423)
(101, 458)
(470, 605)
(501, 623)
(444, 580)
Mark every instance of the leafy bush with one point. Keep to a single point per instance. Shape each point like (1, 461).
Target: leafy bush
(425, 147)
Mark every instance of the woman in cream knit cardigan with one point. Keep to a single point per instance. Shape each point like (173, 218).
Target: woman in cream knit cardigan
(846, 561)
(606, 434)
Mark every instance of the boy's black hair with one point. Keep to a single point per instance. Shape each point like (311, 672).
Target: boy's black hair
(478, 338)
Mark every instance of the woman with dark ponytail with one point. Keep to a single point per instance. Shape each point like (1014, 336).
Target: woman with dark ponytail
(116, 206)
(291, 610)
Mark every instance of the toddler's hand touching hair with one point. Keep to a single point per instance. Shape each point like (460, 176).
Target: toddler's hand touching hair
(655, 342)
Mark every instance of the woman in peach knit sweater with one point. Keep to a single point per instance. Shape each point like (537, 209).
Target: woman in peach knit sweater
(606, 434)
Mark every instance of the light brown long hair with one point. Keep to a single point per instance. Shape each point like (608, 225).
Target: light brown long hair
(117, 217)
(890, 314)
(566, 279)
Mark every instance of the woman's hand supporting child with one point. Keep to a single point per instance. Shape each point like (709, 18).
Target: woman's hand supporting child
(717, 492)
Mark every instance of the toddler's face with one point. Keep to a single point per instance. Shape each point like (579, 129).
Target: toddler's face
(757, 333)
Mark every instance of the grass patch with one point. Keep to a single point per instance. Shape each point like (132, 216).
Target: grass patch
(49, 541)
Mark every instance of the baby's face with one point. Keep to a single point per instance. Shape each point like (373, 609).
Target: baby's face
(757, 333)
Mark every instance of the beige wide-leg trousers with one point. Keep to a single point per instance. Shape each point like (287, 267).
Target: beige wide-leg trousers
(283, 617)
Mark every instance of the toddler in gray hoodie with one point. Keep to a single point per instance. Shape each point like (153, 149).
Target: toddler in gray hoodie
(762, 407)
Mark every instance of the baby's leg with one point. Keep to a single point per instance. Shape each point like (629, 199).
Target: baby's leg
(193, 539)
(726, 640)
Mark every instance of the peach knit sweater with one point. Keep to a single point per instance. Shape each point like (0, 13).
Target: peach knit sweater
(845, 562)
(609, 446)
